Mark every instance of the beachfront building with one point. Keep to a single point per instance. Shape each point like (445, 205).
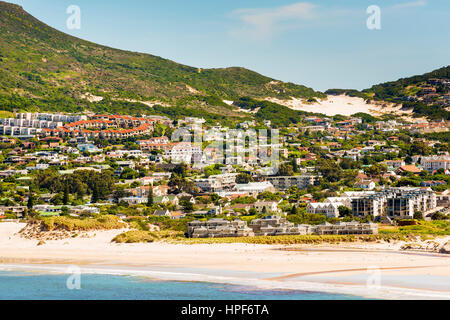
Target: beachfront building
(272, 226)
(276, 225)
(218, 228)
(353, 227)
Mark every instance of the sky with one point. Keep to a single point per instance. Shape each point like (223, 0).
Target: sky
(321, 44)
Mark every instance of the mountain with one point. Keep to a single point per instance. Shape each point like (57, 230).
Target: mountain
(406, 86)
(41, 67)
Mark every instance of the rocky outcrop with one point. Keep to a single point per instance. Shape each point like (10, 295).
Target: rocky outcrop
(36, 230)
(445, 248)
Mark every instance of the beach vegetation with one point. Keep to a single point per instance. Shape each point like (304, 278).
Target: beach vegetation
(142, 236)
(102, 222)
(434, 228)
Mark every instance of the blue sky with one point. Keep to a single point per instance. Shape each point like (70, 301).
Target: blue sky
(321, 44)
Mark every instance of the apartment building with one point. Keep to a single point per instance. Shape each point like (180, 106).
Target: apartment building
(276, 225)
(272, 226)
(432, 164)
(218, 228)
(395, 203)
(215, 183)
(283, 183)
(353, 227)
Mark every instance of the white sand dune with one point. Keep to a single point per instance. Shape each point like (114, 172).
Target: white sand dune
(342, 104)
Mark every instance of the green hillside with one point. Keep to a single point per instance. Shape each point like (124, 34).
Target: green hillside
(408, 92)
(405, 86)
(41, 67)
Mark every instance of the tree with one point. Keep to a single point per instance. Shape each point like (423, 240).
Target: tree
(119, 194)
(418, 215)
(30, 203)
(64, 211)
(150, 199)
(95, 195)
(181, 170)
(344, 211)
(285, 170)
(376, 169)
(187, 206)
(329, 170)
(419, 147)
(243, 178)
(66, 194)
(294, 210)
(294, 165)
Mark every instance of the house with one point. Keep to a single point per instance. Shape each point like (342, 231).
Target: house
(88, 147)
(134, 200)
(394, 164)
(330, 209)
(267, 206)
(186, 196)
(432, 183)
(255, 187)
(162, 213)
(167, 199)
(409, 168)
(216, 210)
(365, 184)
(177, 215)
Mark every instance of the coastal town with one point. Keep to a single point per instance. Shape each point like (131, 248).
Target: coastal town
(333, 175)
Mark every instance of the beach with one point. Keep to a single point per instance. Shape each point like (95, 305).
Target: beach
(374, 270)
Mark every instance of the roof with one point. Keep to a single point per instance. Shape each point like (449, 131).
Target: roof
(410, 168)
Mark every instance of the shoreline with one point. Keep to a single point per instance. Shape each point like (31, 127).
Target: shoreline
(338, 269)
(384, 292)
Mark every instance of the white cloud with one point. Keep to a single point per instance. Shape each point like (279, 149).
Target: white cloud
(419, 3)
(265, 22)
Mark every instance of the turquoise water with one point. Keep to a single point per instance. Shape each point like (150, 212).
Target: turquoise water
(15, 285)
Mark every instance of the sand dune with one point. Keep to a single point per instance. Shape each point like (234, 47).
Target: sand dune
(343, 105)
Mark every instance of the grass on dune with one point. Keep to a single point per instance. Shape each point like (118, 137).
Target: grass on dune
(106, 222)
(143, 236)
(434, 228)
(299, 239)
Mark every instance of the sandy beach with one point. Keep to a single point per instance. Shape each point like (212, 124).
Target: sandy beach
(343, 105)
(375, 270)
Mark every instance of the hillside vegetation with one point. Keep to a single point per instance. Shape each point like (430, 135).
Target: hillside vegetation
(43, 68)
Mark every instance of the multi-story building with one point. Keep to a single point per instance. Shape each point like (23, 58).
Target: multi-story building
(276, 225)
(217, 182)
(395, 203)
(272, 226)
(330, 209)
(218, 228)
(432, 164)
(285, 182)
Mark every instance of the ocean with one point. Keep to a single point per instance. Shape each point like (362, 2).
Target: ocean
(20, 285)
